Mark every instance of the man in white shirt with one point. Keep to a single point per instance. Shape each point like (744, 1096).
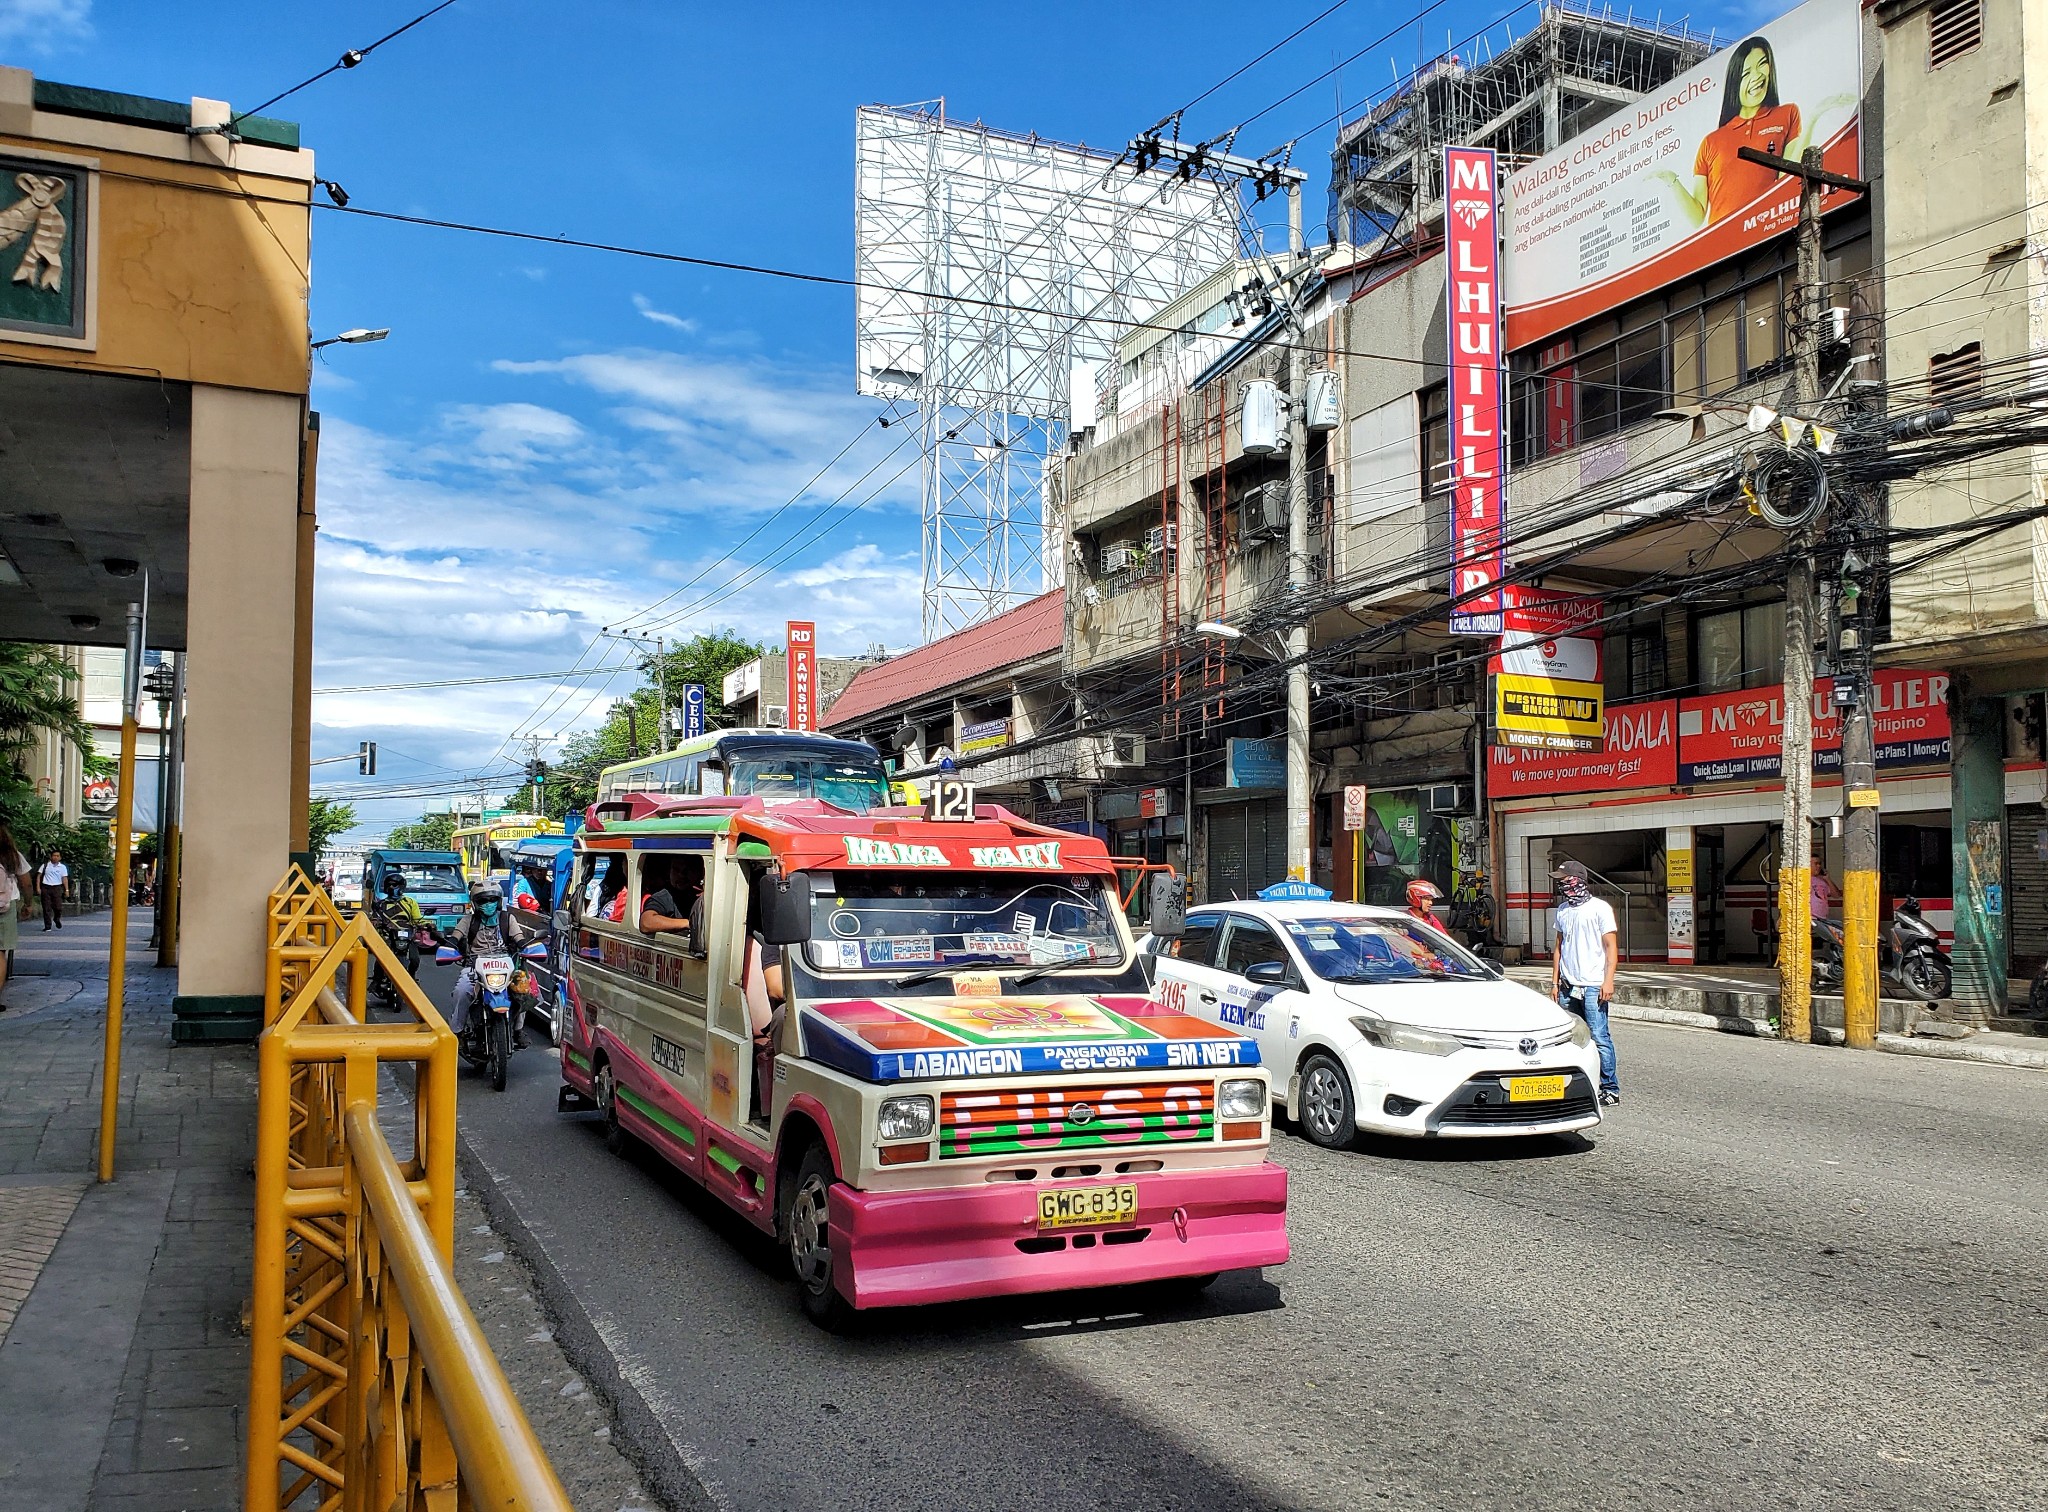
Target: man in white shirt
(1582, 966)
(50, 879)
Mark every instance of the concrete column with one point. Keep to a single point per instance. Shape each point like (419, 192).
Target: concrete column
(1977, 839)
(242, 599)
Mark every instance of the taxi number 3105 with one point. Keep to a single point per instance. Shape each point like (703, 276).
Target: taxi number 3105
(1076, 1207)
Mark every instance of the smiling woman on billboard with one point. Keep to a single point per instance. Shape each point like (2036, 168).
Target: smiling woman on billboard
(1751, 116)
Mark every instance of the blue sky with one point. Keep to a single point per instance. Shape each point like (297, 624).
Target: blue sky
(552, 439)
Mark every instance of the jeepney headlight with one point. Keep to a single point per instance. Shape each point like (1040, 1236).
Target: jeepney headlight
(1241, 1099)
(905, 1118)
(1389, 1035)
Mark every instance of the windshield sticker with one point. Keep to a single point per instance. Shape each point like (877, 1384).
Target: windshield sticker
(848, 953)
(977, 984)
(993, 944)
(1322, 944)
(863, 851)
(1043, 856)
(897, 952)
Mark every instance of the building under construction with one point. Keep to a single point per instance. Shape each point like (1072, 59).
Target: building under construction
(1543, 88)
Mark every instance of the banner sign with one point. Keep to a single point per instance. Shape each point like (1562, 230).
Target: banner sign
(1255, 763)
(693, 710)
(801, 675)
(1736, 737)
(1478, 459)
(1550, 713)
(989, 735)
(1640, 751)
(1657, 191)
(1572, 658)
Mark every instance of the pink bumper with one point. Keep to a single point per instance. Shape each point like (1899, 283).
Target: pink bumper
(899, 1249)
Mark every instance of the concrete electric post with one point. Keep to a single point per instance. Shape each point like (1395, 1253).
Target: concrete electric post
(1300, 835)
(1859, 792)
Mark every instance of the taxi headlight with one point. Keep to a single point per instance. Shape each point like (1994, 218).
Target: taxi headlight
(905, 1118)
(1241, 1099)
(1582, 1032)
(1389, 1035)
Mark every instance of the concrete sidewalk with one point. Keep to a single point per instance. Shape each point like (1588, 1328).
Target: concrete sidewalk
(1744, 1000)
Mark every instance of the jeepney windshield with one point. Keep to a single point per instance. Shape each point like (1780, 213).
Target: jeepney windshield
(911, 922)
(779, 776)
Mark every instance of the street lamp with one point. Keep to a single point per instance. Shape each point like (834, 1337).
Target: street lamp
(1218, 628)
(357, 337)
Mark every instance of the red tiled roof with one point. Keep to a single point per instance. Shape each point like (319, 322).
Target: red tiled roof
(1029, 630)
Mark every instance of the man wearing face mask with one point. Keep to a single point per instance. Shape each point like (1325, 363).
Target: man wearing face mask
(1583, 964)
(487, 928)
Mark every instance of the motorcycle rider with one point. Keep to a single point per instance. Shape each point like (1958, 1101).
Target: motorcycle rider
(1422, 895)
(486, 928)
(402, 910)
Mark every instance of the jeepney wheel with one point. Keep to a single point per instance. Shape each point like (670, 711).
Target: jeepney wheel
(1327, 1114)
(608, 1109)
(806, 1225)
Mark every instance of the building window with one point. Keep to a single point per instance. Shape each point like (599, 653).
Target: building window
(1645, 662)
(1956, 375)
(1740, 648)
(1435, 407)
(1954, 27)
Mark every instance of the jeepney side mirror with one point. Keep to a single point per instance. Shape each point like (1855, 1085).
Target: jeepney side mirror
(785, 908)
(559, 921)
(1168, 907)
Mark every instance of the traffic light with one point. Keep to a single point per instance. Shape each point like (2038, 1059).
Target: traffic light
(366, 758)
(537, 770)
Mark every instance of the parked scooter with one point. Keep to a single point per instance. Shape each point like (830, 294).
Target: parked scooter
(1909, 953)
(499, 985)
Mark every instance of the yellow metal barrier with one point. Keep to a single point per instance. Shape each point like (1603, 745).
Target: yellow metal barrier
(370, 1384)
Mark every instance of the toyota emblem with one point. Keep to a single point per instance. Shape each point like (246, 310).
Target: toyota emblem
(1527, 1047)
(1081, 1113)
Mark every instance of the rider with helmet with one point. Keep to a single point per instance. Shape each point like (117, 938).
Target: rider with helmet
(488, 927)
(1422, 893)
(398, 904)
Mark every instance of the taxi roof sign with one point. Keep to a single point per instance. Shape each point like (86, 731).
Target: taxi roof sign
(1294, 892)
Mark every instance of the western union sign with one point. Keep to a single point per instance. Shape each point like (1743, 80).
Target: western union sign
(1551, 714)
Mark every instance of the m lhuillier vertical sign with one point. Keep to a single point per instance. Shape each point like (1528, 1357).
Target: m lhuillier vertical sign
(1478, 458)
(802, 662)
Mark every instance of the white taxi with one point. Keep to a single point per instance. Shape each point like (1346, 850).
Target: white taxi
(1370, 1021)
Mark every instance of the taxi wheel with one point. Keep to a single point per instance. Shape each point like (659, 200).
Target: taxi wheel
(1327, 1114)
(608, 1109)
(807, 1238)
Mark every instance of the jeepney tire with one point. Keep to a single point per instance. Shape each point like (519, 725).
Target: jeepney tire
(1326, 1112)
(802, 1225)
(607, 1097)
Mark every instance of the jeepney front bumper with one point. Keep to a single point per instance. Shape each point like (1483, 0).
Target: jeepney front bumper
(901, 1249)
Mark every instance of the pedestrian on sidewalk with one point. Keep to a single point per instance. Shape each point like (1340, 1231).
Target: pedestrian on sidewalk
(50, 880)
(1582, 965)
(14, 885)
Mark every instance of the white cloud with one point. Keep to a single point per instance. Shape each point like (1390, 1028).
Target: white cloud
(515, 433)
(44, 26)
(662, 317)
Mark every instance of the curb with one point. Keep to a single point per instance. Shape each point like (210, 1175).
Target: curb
(662, 1469)
(1891, 1044)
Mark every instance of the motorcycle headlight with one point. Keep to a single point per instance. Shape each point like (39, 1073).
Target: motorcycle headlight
(1582, 1032)
(496, 981)
(1241, 1099)
(905, 1118)
(1389, 1035)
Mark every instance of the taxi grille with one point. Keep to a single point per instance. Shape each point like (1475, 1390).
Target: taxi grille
(1010, 1120)
(1548, 1039)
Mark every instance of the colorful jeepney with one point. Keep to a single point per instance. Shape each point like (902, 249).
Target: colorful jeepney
(966, 1089)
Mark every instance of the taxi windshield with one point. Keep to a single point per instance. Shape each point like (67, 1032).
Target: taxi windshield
(855, 786)
(929, 921)
(1364, 950)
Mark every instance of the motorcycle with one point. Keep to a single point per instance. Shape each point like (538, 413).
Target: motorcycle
(487, 1035)
(1909, 953)
(405, 943)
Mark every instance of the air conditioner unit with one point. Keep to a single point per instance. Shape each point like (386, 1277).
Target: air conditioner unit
(775, 716)
(1125, 751)
(1163, 538)
(1451, 798)
(1262, 512)
(1117, 559)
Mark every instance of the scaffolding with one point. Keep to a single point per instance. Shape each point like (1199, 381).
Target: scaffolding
(1560, 78)
(997, 272)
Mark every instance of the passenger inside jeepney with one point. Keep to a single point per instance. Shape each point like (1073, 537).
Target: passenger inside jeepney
(611, 892)
(762, 984)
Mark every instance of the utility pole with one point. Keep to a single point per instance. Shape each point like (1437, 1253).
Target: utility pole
(1300, 832)
(1795, 852)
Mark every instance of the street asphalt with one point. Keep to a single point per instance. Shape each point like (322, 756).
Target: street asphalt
(1777, 1276)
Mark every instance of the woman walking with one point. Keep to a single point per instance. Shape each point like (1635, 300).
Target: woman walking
(13, 899)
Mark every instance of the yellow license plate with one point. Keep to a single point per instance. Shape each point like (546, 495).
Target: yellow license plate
(1535, 1088)
(1087, 1207)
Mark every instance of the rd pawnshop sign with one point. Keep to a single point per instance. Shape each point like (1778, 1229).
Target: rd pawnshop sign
(1478, 459)
(801, 678)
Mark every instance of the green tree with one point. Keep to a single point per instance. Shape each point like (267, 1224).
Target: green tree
(434, 832)
(326, 818)
(36, 695)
